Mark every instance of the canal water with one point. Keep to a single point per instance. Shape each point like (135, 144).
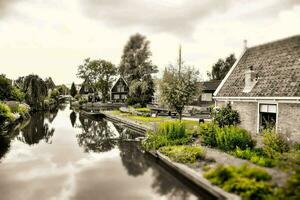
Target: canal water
(64, 155)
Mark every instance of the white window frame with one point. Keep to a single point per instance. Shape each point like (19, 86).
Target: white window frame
(258, 113)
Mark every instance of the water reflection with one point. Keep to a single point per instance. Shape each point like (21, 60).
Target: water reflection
(103, 162)
(96, 136)
(73, 118)
(38, 129)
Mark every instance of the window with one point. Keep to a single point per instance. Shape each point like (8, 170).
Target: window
(116, 96)
(123, 96)
(267, 116)
(206, 97)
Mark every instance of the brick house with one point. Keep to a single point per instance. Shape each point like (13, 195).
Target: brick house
(205, 99)
(264, 87)
(119, 91)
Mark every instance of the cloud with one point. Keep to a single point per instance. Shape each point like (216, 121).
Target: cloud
(179, 17)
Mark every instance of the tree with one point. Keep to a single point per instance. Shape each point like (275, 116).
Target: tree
(178, 87)
(9, 92)
(62, 89)
(99, 74)
(36, 90)
(50, 84)
(221, 68)
(73, 90)
(136, 67)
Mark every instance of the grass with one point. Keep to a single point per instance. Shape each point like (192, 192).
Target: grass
(183, 154)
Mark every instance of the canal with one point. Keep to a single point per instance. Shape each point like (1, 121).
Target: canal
(64, 155)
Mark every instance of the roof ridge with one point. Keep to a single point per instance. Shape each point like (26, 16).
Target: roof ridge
(275, 41)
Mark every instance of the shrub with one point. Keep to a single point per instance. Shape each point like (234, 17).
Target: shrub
(226, 116)
(17, 94)
(5, 113)
(168, 133)
(273, 143)
(183, 154)
(248, 182)
(23, 110)
(256, 156)
(292, 190)
(230, 137)
(82, 101)
(54, 94)
(207, 131)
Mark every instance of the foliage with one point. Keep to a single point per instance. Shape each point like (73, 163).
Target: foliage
(136, 67)
(207, 132)
(256, 156)
(168, 133)
(184, 153)
(54, 94)
(73, 90)
(273, 143)
(5, 87)
(226, 116)
(248, 182)
(230, 137)
(62, 89)
(82, 101)
(221, 68)
(36, 91)
(5, 113)
(98, 74)
(292, 190)
(178, 89)
(17, 94)
(50, 84)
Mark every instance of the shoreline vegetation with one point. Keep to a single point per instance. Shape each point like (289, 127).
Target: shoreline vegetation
(267, 172)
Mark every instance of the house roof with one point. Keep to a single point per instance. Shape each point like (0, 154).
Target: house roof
(277, 65)
(116, 81)
(209, 85)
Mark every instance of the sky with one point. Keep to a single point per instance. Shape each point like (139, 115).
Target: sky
(52, 38)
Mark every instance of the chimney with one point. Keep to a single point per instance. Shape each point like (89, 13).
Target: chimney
(251, 79)
(245, 45)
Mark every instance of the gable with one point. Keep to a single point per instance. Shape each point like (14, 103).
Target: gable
(277, 66)
(120, 82)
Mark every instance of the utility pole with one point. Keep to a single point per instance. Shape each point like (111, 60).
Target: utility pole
(179, 60)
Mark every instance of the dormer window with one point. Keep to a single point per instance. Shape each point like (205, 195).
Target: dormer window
(251, 79)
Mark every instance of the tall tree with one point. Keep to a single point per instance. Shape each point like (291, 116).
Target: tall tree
(73, 90)
(136, 67)
(178, 87)
(99, 74)
(221, 68)
(36, 91)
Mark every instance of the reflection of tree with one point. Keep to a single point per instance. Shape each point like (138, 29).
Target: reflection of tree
(51, 115)
(37, 130)
(4, 145)
(62, 106)
(133, 159)
(73, 118)
(96, 136)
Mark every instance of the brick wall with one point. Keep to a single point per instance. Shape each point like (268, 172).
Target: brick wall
(247, 112)
(289, 120)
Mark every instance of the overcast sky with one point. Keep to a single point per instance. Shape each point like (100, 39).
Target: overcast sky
(51, 38)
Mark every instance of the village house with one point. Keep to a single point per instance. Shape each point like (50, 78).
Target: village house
(119, 91)
(264, 87)
(207, 88)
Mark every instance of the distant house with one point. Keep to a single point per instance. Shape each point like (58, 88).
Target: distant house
(264, 87)
(119, 90)
(207, 88)
(88, 92)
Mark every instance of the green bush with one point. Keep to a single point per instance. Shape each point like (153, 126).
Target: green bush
(23, 110)
(292, 190)
(207, 132)
(82, 101)
(17, 94)
(248, 182)
(230, 137)
(54, 94)
(167, 134)
(183, 154)
(226, 116)
(256, 156)
(273, 143)
(5, 113)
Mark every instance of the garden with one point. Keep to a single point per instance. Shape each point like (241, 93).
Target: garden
(250, 180)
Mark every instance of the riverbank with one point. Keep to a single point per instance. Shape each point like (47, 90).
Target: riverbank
(194, 174)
